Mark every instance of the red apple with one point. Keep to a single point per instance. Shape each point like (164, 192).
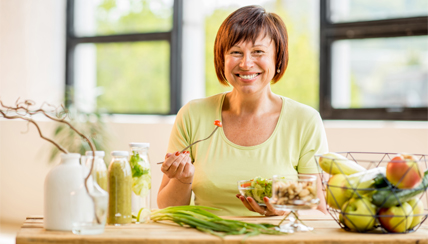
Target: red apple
(403, 171)
(396, 219)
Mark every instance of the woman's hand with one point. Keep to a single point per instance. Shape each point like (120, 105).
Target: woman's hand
(252, 205)
(179, 166)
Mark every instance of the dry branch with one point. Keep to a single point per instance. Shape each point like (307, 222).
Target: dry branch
(22, 110)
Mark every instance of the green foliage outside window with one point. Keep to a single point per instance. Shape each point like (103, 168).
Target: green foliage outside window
(135, 77)
(139, 16)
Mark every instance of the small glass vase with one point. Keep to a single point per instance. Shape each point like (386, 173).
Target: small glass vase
(89, 211)
(140, 167)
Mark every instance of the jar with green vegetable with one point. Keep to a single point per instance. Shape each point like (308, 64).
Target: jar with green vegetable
(120, 189)
(141, 181)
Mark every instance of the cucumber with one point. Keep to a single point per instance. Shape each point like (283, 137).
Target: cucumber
(388, 196)
(380, 181)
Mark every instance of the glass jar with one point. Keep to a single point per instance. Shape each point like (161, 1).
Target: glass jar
(89, 211)
(99, 172)
(142, 181)
(120, 189)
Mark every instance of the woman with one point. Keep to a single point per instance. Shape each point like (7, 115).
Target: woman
(263, 134)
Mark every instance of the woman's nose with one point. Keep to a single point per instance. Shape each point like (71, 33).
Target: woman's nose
(246, 62)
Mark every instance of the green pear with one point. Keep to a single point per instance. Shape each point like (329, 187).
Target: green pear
(359, 214)
(336, 191)
(418, 208)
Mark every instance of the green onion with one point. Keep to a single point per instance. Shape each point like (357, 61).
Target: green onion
(199, 218)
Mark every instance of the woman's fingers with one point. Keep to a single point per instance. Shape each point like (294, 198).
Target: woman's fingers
(189, 169)
(245, 202)
(169, 159)
(271, 210)
(174, 169)
(168, 165)
(168, 155)
(254, 205)
(177, 165)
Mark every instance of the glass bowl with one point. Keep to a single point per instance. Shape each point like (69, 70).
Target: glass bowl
(292, 193)
(256, 188)
(295, 192)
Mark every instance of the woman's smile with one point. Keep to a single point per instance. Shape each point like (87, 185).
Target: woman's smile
(250, 67)
(248, 77)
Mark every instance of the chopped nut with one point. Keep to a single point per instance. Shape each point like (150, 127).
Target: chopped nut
(298, 188)
(304, 193)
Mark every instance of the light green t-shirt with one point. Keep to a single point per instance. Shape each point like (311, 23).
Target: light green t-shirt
(219, 163)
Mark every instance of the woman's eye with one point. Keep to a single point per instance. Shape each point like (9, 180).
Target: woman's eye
(235, 52)
(258, 52)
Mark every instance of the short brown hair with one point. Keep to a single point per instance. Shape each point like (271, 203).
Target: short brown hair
(246, 24)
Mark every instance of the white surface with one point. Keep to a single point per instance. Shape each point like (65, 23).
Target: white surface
(60, 182)
(8, 233)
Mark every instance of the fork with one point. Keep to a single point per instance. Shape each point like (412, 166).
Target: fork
(216, 122)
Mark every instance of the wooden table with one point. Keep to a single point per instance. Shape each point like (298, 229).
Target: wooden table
(326, 230)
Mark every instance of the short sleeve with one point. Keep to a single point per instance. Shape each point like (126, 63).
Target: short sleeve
(181, 131)
(314, 141)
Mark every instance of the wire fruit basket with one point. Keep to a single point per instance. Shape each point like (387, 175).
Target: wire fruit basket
(375, 192)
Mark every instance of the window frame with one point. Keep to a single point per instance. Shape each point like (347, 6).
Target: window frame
(174, 37)
(330, 32)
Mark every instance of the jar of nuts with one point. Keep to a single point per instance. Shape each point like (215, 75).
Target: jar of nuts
(293, 192)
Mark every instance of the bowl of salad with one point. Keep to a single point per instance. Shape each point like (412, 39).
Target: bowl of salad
(257, 188)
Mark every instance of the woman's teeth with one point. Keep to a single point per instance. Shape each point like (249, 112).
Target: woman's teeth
(248, 77)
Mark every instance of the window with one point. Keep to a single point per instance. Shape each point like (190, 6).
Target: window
(374, 59)
(124, 56)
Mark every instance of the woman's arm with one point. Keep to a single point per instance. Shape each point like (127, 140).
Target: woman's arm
(176, 186)
(322, 206)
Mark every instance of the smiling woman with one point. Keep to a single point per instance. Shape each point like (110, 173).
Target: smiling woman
(268, 37)
(263, 134)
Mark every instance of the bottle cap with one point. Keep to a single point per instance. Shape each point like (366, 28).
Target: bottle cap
(140, 144)
(97, 153)
(120, 153)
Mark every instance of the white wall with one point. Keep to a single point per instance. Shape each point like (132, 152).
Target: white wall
(32, 66)
(32, 48)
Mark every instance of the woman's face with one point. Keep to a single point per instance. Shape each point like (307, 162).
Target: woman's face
(249, 67)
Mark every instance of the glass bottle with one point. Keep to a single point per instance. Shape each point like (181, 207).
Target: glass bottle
(142, 181)
(99, 172)
(89, 211)
(119, 188)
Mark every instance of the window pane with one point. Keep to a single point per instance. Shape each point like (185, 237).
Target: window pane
(363, 10)
(380, 72)
(108, 17)
(123, 77)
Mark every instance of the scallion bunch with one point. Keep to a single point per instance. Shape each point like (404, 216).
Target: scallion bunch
(198, 217)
